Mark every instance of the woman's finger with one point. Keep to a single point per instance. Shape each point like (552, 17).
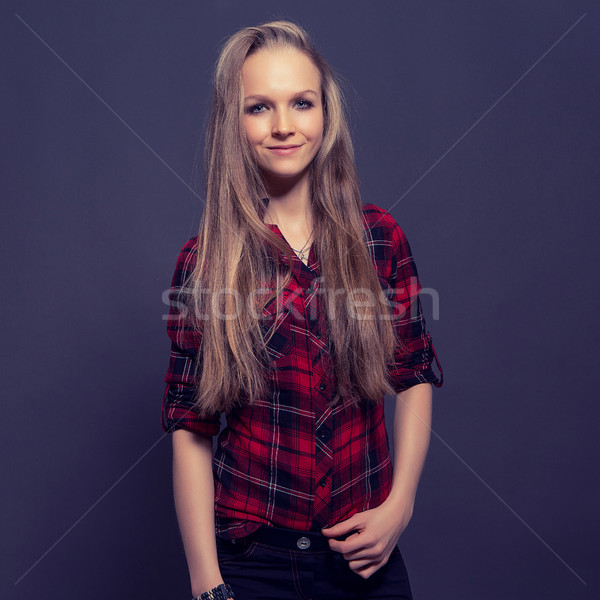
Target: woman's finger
(365, 569)
(367, 553)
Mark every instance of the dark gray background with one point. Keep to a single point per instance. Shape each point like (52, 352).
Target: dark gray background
(476, 125)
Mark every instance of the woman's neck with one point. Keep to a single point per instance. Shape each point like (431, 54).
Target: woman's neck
(289, 204)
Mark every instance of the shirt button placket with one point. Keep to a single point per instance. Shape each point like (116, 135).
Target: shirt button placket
(324, 466)
(318, 382)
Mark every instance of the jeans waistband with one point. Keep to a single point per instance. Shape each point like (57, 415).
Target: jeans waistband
(291, 539)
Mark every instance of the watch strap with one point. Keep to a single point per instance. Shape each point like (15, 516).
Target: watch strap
(222, 592)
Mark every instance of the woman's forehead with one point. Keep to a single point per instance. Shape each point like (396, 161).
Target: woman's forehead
(279, 71)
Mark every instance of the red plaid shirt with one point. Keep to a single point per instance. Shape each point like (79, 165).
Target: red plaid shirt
(287, 460)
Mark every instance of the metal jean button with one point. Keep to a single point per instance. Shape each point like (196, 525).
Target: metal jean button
(303, 543)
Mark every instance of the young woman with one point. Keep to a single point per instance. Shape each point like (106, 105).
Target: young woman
(294, 311)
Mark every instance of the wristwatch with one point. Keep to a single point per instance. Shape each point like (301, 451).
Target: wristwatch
(222, 592)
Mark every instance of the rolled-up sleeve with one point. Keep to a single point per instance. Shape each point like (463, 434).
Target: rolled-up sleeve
(178, 409)
(414, 357)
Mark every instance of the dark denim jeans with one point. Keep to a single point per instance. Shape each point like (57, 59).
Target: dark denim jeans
(283, 564)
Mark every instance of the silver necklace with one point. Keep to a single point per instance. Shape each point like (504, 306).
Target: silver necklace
(302, 252)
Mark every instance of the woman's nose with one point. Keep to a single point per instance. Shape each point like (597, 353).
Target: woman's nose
(282, 123)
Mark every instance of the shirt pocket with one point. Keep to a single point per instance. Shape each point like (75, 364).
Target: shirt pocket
(280, 343)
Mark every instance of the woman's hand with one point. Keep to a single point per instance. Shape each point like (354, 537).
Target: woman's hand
(376, 534)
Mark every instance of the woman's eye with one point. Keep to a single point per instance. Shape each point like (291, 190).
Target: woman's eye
(258, 108)
(253, 109)
(307, 104)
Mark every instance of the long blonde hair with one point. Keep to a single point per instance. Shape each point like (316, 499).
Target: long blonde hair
(238, 254)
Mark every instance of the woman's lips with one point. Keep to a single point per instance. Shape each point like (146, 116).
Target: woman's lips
(285, 151)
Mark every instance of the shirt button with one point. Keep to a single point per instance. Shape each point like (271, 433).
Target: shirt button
(303, 543)
(323, 482)
(322, 386)
(323, 433)
(318, 334)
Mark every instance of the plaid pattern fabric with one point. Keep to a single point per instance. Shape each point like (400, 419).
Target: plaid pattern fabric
(287, 460)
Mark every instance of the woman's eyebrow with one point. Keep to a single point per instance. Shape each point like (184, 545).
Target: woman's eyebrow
(261, 97)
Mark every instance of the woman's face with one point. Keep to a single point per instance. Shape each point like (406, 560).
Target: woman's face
(282, 107)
